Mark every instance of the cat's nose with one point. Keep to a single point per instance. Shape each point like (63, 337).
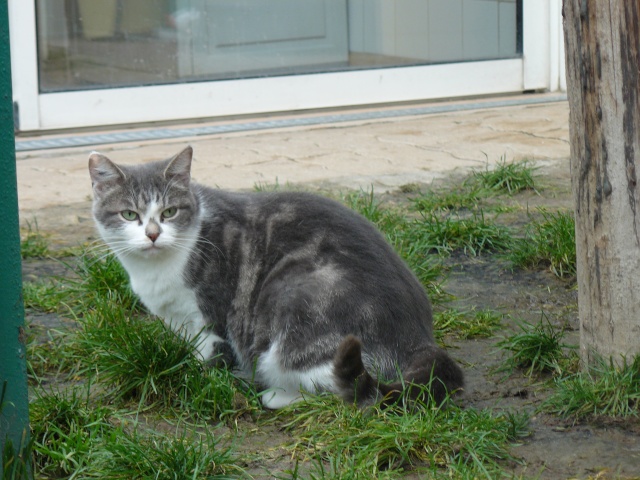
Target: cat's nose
(153, 230)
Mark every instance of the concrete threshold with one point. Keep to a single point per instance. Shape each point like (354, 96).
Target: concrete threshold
(133, 135)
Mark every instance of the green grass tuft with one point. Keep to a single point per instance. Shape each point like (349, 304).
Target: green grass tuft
(366, 204)
(374, 442)
(140, 360)
(456, 199)
(537, 348)
(134, 358)
(73, 437)
(97, 279)
(90, 280)
(16, 460)
(466, 324)
(603, 389)
(474, 235)
(65, 430)
(50, 357)
(34, 244)
(550, 242)
(267, 187)
(44, 297)
(177, 457)
(506, 177)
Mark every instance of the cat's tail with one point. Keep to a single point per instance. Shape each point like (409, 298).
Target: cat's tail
(432, 373)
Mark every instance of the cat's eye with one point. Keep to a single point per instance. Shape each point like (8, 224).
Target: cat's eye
(169, 212)
(129, 215)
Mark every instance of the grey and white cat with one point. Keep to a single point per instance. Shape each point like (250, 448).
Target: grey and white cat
(293, 289)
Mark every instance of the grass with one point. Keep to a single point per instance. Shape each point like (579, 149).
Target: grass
(50, 357)
(135, 357)
(33, 244)
(96, 278)
(454, 199)
(341, 439)
(65, 429)
(417, 239)
(428, 268)
(473, 235)
(548, 242)
(144, 362)
(175, 457)
(366, 204)
(75, 437)
(604, 388)
(466, 324)
(42, 296)
(267, 186)
(537, 348)
(509, 178)
(91, 278)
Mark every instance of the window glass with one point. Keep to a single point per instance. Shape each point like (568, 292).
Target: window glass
(85, 44)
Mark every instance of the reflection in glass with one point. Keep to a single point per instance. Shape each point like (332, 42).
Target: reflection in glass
(86, 44)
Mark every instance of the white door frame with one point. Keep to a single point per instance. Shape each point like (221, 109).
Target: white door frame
(540, 68)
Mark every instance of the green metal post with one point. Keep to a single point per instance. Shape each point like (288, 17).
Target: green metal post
(14, 410)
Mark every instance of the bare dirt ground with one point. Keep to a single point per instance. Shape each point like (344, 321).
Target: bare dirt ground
(556, 448)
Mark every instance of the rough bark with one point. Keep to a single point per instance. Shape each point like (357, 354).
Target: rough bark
(602, 45)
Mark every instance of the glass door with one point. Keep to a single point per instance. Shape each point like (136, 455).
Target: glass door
(80, 63)
(89, 44)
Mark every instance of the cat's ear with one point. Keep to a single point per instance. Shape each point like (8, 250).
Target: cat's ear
(179, 168)
(103, 171)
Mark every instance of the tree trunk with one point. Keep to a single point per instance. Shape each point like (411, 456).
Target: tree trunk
(602, 45)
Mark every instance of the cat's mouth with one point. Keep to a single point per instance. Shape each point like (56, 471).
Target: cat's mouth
(152, 249)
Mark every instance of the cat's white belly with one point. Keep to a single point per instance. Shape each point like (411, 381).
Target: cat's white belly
(161, 288)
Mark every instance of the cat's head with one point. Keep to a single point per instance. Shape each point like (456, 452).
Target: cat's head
(144, 209)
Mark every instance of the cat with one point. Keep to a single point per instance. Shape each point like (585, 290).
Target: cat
(293, 289)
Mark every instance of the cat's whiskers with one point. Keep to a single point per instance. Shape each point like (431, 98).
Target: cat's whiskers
(96, 246)
(103, 254)
(203, 241)
(103, 245)
(103, 249)
(121, 251)
(189, 246)
(198, 245)
(181, 243)
(121, 247)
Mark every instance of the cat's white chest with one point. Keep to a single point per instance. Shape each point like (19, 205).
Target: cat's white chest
(159, 282)
(162, 290)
